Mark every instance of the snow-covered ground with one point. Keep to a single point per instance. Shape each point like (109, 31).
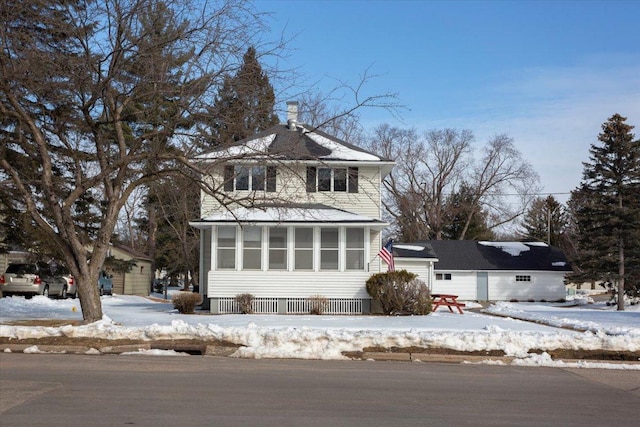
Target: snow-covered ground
(326, 337)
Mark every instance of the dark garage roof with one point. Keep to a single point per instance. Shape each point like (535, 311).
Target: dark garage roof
(474, 255)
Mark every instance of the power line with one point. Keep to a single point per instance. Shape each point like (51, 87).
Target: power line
(528, 194)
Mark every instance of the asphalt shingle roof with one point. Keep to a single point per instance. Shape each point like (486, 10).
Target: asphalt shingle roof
(304, 143)
(473, 255)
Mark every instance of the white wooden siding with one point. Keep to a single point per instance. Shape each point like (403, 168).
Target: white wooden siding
(502, 285)
(291, 186)
(421, 267)
(288, 284)
(462, 283)
(543, 285)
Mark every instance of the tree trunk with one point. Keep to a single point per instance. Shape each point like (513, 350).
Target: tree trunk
(621, 275)
(89, 299)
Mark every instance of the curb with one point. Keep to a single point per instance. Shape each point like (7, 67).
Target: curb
(226, 351)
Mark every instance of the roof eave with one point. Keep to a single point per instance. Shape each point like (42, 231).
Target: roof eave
(204, 224)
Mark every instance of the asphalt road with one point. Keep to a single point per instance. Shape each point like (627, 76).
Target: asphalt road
(70, 390)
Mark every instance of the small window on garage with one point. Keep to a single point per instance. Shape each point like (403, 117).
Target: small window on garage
(523, 278)
(443, 276)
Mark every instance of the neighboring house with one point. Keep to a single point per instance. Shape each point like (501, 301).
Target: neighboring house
(312, 228)
(496, 271)
(9, 257)
(136, 281)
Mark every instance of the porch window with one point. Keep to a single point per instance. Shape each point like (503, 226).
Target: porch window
(303, 248)
(252, 248)
(226, 247)
(355, 249)
(277, 248)
(329, 249)
(443, 276)
(523, 278)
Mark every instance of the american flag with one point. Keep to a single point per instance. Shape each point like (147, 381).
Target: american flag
(386, 253)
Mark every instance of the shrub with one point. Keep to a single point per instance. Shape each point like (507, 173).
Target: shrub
(185, 302)
(245, 303)
(317, 304)
(400, 293)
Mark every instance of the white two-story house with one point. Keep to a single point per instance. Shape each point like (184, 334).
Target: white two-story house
(296, 214)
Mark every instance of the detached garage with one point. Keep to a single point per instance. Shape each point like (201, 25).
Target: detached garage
(492, 271)
(135, 281)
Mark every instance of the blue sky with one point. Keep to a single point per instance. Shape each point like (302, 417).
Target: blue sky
(548, 73)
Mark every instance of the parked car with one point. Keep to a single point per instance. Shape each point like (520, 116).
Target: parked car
(31, 279)
(72, 286)
(105, 283)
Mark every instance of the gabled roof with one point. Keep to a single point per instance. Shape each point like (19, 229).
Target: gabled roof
(134, 254)
(304, 143)
(514, 256)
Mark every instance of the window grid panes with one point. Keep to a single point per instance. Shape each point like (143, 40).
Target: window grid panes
(324, 179)
(329, 249)
(242, 177)
(355, 249)
(328, 179)
(277, 248)
(252, 248)
(303, 248)
(226, 247)
(258, 176)
(523, 278)
(339, 180)
(443, 276)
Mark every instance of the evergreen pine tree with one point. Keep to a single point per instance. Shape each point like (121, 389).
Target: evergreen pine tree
(458, 207)
(545, 221)
(245, 103)
(606, 209)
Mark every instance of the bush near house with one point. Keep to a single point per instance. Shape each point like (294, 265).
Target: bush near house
(245, 303)
(185, 302)
(318, 304)
(400, 293)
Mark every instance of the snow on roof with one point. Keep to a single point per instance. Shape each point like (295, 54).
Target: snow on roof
(306, 142)
(340, 151)
(513, 248)
(410, 247)
(289, 214)
(253, 148)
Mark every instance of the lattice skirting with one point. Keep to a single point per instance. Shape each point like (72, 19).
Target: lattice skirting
(296, 305)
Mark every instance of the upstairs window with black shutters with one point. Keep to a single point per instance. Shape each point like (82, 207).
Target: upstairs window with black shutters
(250, 178)
(338, 180)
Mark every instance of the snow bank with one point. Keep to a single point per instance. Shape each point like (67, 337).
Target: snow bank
(328, 337)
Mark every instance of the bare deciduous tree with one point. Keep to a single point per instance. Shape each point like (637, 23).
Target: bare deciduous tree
(433, 168)
(92, 94)
(98, 99)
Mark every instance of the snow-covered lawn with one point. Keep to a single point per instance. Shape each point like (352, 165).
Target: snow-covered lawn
(327, 337)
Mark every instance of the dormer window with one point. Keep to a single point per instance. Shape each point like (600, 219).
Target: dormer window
(249, 178)
(332, 179)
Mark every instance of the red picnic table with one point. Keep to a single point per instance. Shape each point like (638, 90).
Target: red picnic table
(448, 301)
